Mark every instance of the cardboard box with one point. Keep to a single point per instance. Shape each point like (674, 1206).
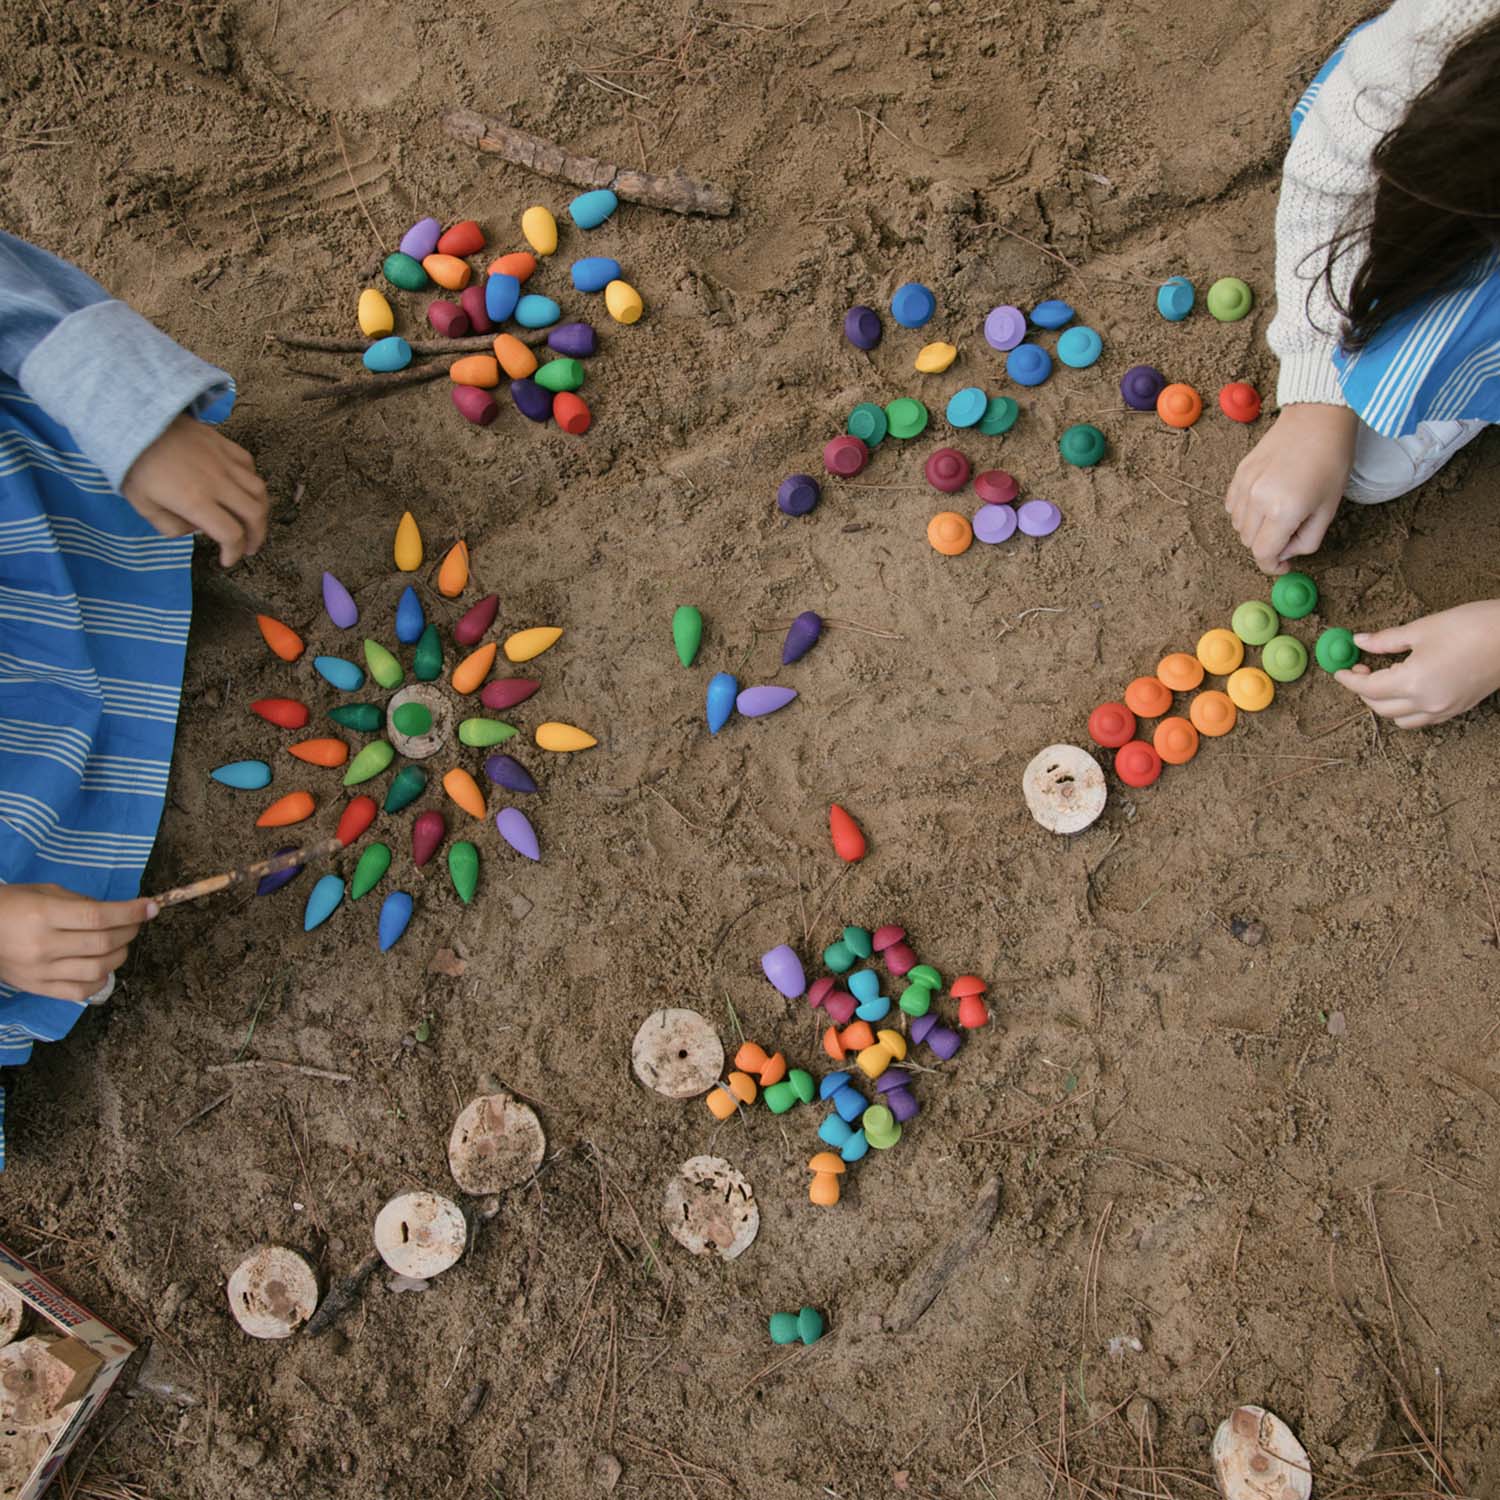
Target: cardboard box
(87, 1348)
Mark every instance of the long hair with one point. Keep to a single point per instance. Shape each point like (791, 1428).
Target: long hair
(1436, 205)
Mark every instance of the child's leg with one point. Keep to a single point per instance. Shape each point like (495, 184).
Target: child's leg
(1385, 468)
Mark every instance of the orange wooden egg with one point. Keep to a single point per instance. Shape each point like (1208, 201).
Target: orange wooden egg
(465, 791)
(450, 273)
(295, 807)
(474, 668)
(515, 358)
(481, 370)
(453, 576)
(328, 752)
(518, 263)
(282, 639)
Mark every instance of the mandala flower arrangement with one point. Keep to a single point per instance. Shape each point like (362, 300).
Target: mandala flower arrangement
(420, 721)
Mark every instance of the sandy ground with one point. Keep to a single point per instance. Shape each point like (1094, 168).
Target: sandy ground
(1205, 1146)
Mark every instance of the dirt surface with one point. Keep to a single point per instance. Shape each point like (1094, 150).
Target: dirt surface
(1196, 1133)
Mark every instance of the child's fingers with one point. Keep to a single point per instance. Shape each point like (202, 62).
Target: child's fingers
(1385, 642)
(1387, 692)
(88, 971)
(79, 914)
(251, 502)
(1416, 721)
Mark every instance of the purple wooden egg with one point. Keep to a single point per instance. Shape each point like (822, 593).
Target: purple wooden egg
(476, 620)
(270, 883)
(784, 969)
(475, 404)
(802, 637)
(841, 1006)
(531, 400)
(342, 609)
(755, 701)
(902, 1104)
(421, 239)
(426, 834)
(506, 771)
(577, 340)
(922, 1026)
(515, 828)
(944, 1041)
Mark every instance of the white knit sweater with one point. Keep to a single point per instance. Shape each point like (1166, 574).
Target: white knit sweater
(1328, 173)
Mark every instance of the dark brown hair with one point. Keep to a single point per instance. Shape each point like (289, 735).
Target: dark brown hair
(1436, 205)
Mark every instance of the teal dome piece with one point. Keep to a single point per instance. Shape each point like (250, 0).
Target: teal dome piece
(1175, 298)
(967, 407)
(1079, 347)
(868, 423)
(999, 416)
(1083, 445)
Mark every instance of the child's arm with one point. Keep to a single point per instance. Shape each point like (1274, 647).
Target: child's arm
(129, 396)
(55, 943)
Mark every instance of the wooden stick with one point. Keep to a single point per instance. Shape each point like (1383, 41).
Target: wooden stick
(375, 385)
(271, 1063)
(213, 884)
(475, 343)
(918, 1292)
(678, 192)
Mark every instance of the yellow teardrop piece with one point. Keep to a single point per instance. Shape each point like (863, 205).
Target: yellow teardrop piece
(933, 359)
(473, 669)
(624, 302)
(408, 544)
(525, 644)
(453, 576)
(540, 229)
(375, 316)
(563, 737)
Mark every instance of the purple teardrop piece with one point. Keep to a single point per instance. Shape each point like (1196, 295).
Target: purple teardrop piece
(270, 883)
(506, 771)
(515, 828)
(577, 340)
(339, 603)
(802, 637)
(531, 400)
(764, 700)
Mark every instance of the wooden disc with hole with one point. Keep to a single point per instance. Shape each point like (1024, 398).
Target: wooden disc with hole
(709, 1208)
(497, 1142)
(1256, 1457)
(12, 1311)
(438, 704)
(420, 1234)
(1064, 788)
(677, 1053)
(272, 1292)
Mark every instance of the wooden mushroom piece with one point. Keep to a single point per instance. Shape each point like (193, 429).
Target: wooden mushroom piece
(420, 1234)
(272, 1292)
(496, 1143)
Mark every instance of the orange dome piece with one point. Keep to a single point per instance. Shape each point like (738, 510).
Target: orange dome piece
(1148, 698)
(518, 263)
(282, 639)
(470, 673)
(515, 358)
(751, 1057)
(832, 1045)
(1175, 740)
(1179, 405)
(857, 1035)
(453, 576)
(295, 807)
(465, 791)
(1212, 713)
(967, 984)
(1180, 671)
(950, 533)
(1250, 689)
(773, 1071)
(742, 1086)
(327, 752)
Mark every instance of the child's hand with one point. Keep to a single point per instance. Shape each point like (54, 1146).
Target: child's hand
(1454, 662)
(194, 479)
(1284, 494)
(55, 943)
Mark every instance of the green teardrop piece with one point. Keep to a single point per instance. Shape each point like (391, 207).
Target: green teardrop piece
(428, 663)
(409, 784)
(363, 718)
(384, 667)
(463, 868)
(412, 718)
(560, 375)
(687, 633)
(370, 870)
(482, 733)
(370, 761)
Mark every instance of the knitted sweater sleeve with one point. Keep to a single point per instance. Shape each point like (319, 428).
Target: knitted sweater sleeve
(1328, 175)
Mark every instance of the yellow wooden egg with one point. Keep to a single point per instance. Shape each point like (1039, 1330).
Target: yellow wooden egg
(933, 359)
(624, 302)
(525, 644)
(554, 736)
(375, 316)
(540, 229)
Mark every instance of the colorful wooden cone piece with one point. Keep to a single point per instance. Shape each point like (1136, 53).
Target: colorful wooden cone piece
(525, 644)
(395, 915)
(722, 691)
(755, 701)
(243, 775)
(482, 734)
(508, 772)
(427, 664)
(284, 713)
(410, 619)
(337, 672)
(283, 641)
(515, 828)
(463, 869)
(324, 752)
(848, 838)
(687, 633)
(363, 718)
(408, 785)
(384, 667)
(427, 834)
(453, 576)
(408, 547)
(465, 791)
(355, 820)
(295, 807)
(554, 736)
(506, 692)
(476, 620)
(370, 870)
(269, 884)
(801, 637)
(339, 602)
(473, 669)
(322, 901)
(370, 762)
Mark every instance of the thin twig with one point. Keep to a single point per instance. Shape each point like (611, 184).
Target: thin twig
(380, 240)
(284, 1067)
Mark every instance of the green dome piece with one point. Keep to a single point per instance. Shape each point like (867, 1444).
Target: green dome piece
(363, 718)
(370, 762)
(384, 667)
(1254, 622)
(1229, 299)
(463, 869)
(1294, 595)
(1336, 650)
(413, 719)
(1083, 445)
(905, 417)
(409, 784)
(428, 661)
(370, 870)
(867, 422)
(999, 416)
(1284, 659)
(687, 632)
(859, 941)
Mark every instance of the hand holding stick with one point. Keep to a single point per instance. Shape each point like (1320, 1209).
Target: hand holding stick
(211, 885)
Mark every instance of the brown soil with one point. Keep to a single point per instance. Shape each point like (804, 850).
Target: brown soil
(1213, 1127)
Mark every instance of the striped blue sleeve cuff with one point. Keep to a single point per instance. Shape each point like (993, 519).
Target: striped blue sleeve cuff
(115, 381)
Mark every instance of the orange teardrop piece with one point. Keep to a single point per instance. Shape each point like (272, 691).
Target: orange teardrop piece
(282, 639)
(453, 576)
(465, 791)
(295, 807)
(474, 668)
(329, 752)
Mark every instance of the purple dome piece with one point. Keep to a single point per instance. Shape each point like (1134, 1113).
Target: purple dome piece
(922, 1026)
(831, 1083)
(506, 771)
(755, 701)
(902, 1103)
(1005, 327)
(1038, 517)
(515, 828)
(339, 603)
(892, 1078)
(862, 327)
(1140, 385)
(577, 340)
(944, 1041)
(421, 239)
(784, 969)
(270, 883)
(840, 1005)
(995, 523)
(531, 399)
(797, 494)
(801, 638)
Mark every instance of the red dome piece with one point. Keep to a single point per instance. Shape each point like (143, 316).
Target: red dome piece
(284, 713)
(973, 1012)
(1137, 764)
(356, 818)
(1240, 401)
(947, 470)
(819, 990)
(967, 984)
(845, 455)
(885, 936)
(996, 487)
(848, 840)
(1111, 725)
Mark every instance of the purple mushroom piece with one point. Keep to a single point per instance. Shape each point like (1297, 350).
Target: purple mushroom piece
(892, 1078)
(944, 1041)
(902, 1104)
(922, 1026)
